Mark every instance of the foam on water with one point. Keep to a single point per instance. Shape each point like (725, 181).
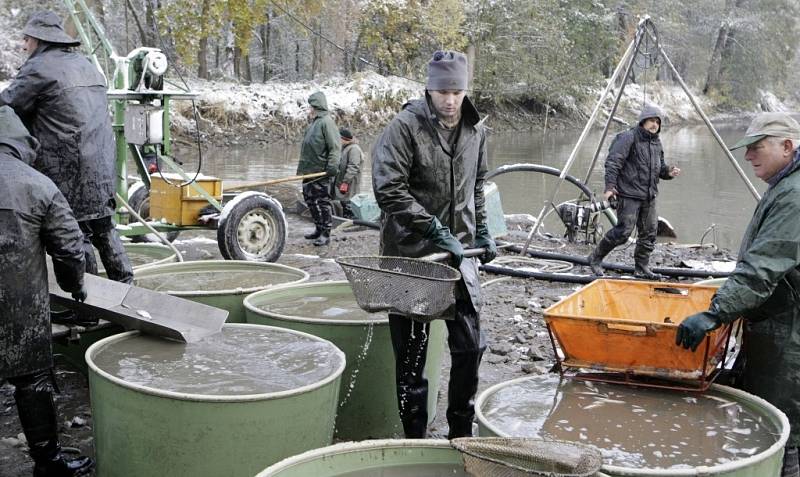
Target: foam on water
(633, 427)
(341, 306)
(237, 361)
(213, 280)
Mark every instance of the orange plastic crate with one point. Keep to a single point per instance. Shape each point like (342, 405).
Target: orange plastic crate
(625, 326)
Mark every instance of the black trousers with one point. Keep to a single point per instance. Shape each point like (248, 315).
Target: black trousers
(633, 213)
(33, 394)
(791, 465)
(317, 194)
(410, 345)
(102, 234)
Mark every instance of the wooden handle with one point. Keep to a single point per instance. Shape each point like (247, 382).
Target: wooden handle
(250, 185)
(438, 257)
(636, 330)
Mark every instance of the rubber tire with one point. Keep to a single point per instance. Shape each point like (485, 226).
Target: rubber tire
(247, 208)
(140, 202)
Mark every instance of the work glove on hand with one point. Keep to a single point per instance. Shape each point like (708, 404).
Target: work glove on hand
(484, 240)
(80, 295)
(443, 239)
(693, 329)
(344, 187)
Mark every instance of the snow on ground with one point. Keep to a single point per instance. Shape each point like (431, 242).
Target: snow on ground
(669, 97)
(366, 98)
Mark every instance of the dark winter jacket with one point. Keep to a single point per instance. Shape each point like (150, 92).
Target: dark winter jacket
(34, 218)
(635, 163)
(765, 289)
(415, 178)
(321, 144)
(349, 171)
(61, 98)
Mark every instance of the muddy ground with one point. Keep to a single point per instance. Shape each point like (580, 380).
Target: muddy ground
(512, 319)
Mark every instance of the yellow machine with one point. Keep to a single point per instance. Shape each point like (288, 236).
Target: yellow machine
(181, 205)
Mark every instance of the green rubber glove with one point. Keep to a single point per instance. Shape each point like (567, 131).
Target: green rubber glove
(443, 239)
(693, 329)
(484, 240)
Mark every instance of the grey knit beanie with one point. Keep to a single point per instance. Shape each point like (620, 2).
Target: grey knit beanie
(447, 70)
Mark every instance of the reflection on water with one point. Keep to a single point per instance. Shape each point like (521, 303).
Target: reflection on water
(342, 306)
(237, 361)
(709, 190)
(633, 427)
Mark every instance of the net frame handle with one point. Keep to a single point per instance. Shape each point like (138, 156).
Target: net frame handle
(468, 253)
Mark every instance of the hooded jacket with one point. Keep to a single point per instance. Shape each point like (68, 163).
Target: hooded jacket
(765, 289)
(415, 177)
(34, 218)
(349, 171)
(61, 98)
(635, 161)
(321, 145)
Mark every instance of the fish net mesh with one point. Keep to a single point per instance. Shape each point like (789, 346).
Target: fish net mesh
(520, 456)
(417, 288)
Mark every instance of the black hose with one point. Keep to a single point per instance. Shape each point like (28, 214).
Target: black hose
(544, 170)
(550, 277)
(581, 260)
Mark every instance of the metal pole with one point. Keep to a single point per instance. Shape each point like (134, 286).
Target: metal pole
(630, 51)
(714, 132)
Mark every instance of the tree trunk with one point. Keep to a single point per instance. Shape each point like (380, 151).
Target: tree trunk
(266, 30)
(470, 63)
(297, 59)
(202, 46)
(722, 47)
(247, 73)
(150, 21)
(237, 62)
(143, 39)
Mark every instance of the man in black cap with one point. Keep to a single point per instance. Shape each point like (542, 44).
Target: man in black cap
(348, 180)
(764, 288)
(34, 218)
(61, 98)
(428, 171)
(634, 165)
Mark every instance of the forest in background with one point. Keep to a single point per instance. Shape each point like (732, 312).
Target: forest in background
(534, 54)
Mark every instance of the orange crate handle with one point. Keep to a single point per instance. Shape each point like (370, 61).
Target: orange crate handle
(626, 329)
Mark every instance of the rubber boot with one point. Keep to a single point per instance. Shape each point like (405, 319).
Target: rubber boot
(641, 268)
(37, 414)
(791, 463)
(598, 254)
(50, 461)
(313, 235)
(324, 238)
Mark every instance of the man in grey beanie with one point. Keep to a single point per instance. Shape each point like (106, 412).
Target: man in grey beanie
(634, 165)
(428, 171)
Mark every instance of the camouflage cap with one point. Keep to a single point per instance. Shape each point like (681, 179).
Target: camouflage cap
(769, 124)
(46, 26)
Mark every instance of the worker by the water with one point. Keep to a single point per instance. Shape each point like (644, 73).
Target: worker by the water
(34, 218)
(764, 288)
(428, 172)
(634, 165)
(61, 98)
(348, 180)
(319, 152)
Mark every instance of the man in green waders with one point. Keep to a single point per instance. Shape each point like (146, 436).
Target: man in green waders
(765, 286)
(320, 152)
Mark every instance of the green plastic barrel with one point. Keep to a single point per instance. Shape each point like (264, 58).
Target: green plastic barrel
(226, 282)
(142, 255)
(411, 457)
(152, 431)
(766, 463)
(368, 400)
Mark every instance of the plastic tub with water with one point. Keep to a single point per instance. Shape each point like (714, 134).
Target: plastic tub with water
(386, 458)
(231, 404)
(643, 431)
(220, 283)
(368, 401)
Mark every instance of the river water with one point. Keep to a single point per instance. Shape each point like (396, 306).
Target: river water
(708, 192)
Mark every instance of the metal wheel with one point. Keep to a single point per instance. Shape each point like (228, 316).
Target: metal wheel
(252, 228)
